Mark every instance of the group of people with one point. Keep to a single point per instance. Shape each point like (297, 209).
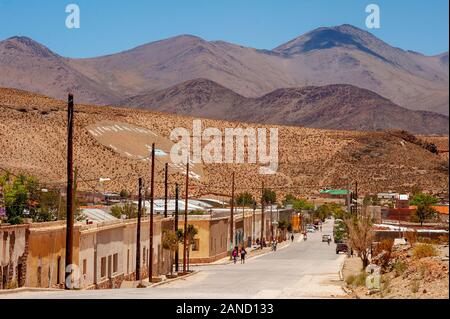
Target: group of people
(239, 252)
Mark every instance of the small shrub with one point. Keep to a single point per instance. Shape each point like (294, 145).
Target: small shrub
(411, 237)
(424, 240)
(424, 250)
(399, 268)
(350, 279)
(386, 284)
(415, 285)
(360, 280)
(443, 239)
(384, 245)
(12, 284)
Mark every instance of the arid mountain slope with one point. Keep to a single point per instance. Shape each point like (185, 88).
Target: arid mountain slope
(343, 107)
(28, 65)
(335, 55)
(33, 139)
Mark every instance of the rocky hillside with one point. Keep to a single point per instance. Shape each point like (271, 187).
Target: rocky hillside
(33, 132)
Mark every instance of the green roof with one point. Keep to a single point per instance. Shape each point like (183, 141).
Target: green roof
(334, 191)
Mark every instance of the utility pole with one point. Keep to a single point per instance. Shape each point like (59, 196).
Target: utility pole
(166, 173)
(176, 223)
(262, 214)
(232, 217)
(152, 199)
(186, 217)
(271, 222)
(69, 210)
(138, 233)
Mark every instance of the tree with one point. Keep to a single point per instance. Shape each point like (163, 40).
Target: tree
(269, 196)
(423, 213)
(170, 241)
(284, 225)
(424, 203)
(302, 204)
(289, 199)
(191, 232)
(124, 193)
(424, 200)
(129, 210)
(360, 236)
(244, 199)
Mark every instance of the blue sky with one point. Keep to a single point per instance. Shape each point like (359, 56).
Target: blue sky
(109, 26)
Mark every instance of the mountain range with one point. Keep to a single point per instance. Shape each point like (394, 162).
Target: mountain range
(338, 106)
(307, 65)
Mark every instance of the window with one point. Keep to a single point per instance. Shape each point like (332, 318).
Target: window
(84, 266)
(196, 245)
(115, 262)
(103, 267)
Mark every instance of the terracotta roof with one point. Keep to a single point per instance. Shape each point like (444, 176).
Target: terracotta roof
(443, 209)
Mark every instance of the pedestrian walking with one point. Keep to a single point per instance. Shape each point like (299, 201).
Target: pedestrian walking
(292, 238)
(235, 254)
(243, 253)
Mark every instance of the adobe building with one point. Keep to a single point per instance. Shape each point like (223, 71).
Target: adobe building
(33, 255)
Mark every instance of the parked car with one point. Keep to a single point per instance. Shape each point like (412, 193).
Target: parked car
(326, 238)
(341, 247)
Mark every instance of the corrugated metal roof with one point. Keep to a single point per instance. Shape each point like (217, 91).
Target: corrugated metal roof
(334, 191)
(97, 215)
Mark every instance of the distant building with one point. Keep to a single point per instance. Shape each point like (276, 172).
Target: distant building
(334, 193)
(402, 201)
(387, 196)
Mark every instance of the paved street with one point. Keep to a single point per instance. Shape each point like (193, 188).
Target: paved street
(303, 269)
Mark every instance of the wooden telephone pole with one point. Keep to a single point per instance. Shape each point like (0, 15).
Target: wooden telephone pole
(186, 218)
(166, 173)
(262, 214)
(232, 217)
(138, 233)
(176, 225)
(70, 197)
(152, 199)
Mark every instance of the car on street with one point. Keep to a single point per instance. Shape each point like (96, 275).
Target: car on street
(326, 238)
(341, 247)
(310, 229)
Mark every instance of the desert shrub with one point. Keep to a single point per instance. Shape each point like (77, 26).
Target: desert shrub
(411, 237)
(415, 285)
(424, 250)
(12, 284)
(360, 279)
(384, 245)
(424, 240)
(350, 279)
(385, 284)
(399, 268)
(443, 239)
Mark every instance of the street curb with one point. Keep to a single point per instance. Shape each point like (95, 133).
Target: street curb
(173, 279)
(26, 289)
